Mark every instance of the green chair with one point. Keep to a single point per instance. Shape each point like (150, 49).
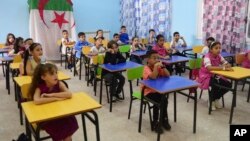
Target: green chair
(134, 74)
(125, 49)
(194, 65)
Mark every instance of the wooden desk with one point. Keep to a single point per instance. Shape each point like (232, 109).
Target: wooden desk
(238, 74)
(80, 103)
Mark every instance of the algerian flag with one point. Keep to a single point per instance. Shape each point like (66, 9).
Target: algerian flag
(47, 20)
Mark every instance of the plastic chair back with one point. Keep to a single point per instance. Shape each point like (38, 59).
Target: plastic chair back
(198, 48)
(86, 50)
(124, 48)
(239, 58)
(167, 45)
(91, 40)
(17, 59)
(135, 73)
(25, 90)
(195, 63)
(144, 41)
(1, 45)
(105, 43)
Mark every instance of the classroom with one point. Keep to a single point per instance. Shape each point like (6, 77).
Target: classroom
(127, 70)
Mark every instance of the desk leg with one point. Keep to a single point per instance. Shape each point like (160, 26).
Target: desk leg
(141, 105)
(28, 132)
(248, 94)
(174, 106)
(80, 72)
(161, 119)
(100, 101)
(84, 127)
(95, 122)
(195, 111)
(233, 101)
(15, 88)
(8, 76)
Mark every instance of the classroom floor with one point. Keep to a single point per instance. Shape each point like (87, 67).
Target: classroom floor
(116, 126)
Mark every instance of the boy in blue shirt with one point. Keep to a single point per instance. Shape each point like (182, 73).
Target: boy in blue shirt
(78, 48)
(124, 36)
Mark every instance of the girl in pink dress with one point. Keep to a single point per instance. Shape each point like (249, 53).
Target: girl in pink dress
(246, 61)
(46, 88)
(214, 61)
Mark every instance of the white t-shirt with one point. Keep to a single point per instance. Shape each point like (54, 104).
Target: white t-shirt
(64, 46)
(179, 43)
(205, 50)
(101, 50)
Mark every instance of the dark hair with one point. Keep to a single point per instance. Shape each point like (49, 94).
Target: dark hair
(28, 40)
(16, 46)
(213, 44)
(98, 31)
(158, 37)
(65, 31)
(116, 34)
(27, 55)
(81, 34)
(134, 38)
(175, 33)
(96, 38)
(40, 70)
(7, 43)
(123, 26)
(210, 39)
(150, 53)
(110, 44)
(151, 30)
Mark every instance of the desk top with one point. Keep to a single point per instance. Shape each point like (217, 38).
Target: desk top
(175, 59)
(4, 50)
(139, 53)
(14, 65)
(79, 103)
(6, 58)
(169, 84)
(187, 48)
(120, 66)
(238, 73)
(21, 80)
(226, 54)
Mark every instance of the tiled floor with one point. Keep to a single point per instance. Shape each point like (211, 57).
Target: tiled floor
(116, 126)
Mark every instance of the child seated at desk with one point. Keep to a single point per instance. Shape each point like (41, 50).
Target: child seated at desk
(116, 79)
(246, 61)
(97, 49)
(214, 61)
(66, 42)
(135, 46)
(32, 57)
(18, 48)
(78, 48)
(178, 41)
(153, 70)
(205, 49)
(46, 88)
(10, 40)
(162, 51)
(28, 42)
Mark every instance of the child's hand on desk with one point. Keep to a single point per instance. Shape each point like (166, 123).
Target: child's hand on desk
(229, 69)
(44, 95)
